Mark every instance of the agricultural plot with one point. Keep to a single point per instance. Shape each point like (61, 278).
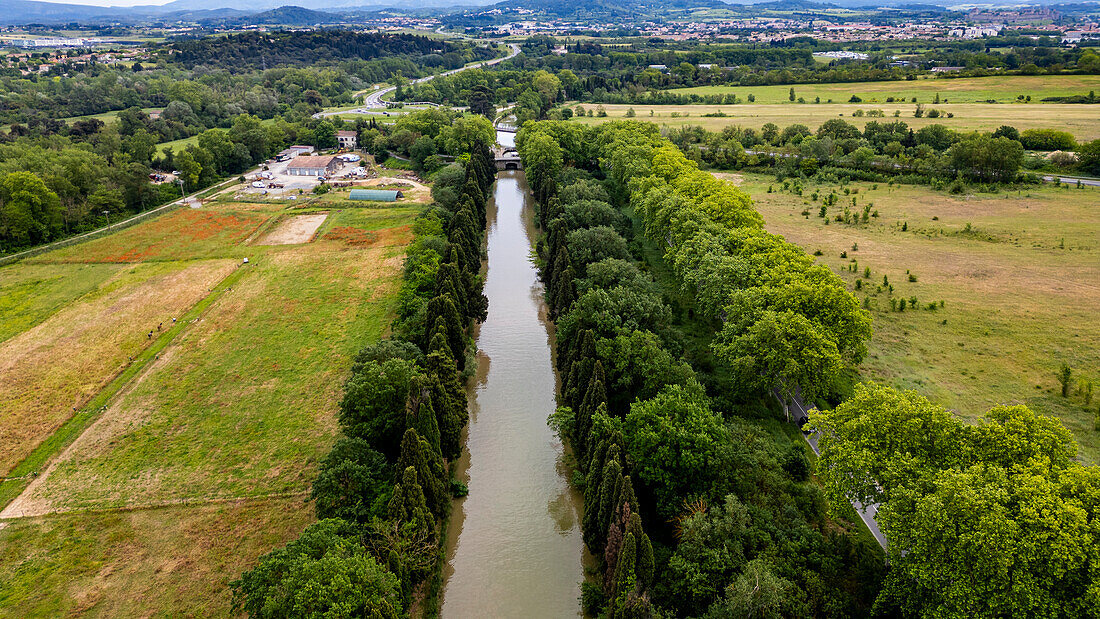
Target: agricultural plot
(174, 561)
(1002, 89)
(1018, 274)
(1083, 121)
(215, 439)
(183, 234)
(60, 363)
(30, 294)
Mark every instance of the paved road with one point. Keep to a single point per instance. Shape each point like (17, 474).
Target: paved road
(866, 513)
(1073, 180)
(373, 101)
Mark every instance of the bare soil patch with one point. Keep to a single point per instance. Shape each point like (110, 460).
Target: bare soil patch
(296, 230)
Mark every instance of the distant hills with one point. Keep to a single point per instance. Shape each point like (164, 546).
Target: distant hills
(273, 12)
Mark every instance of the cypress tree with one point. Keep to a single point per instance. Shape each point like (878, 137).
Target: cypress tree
(447, 281)
(416, 452)
(419, 412)
(610, 486)
(644, 562)
(566, 292)
(466, 238)
(407, 506)
(603, 453)
(437, 342)
(443, 307)
(451, 409)
(595, 395)
(472, 189)
(624, 580)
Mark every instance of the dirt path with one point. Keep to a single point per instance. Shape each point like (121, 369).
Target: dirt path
(296, 230)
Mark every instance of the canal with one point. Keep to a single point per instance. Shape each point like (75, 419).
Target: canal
(514, 543)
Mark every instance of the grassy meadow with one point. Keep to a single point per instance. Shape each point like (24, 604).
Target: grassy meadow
(168, 562)
(207, 433)
(1083, 121)
(1018, 274)
(1002, 89)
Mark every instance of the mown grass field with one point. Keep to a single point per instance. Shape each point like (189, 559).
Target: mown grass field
(1020, 287)
(1083, 121)
(1003, 89)
(31, 294)
(60, 363)
(167, 562)
(212, 444)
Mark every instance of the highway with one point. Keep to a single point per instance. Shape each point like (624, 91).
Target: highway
(373, 101)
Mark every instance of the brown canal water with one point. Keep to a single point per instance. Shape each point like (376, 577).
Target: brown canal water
(514, 543)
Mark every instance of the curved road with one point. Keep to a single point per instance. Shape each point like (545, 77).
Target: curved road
(373, 100)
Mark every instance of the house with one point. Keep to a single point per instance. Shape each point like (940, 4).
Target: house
(349, 140)
(660, 67)
(376, 195)
(308, 165)
(947, 69)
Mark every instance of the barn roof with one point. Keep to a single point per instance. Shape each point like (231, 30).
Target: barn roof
(307, 161)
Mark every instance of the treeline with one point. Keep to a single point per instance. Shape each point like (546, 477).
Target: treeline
(884, 149)
(250, 51)
(643, 72)
(274, 73)
(385, 489)
(55, 187)
(688, 511)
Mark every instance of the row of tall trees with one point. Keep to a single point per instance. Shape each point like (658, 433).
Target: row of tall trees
(715, 504)
(881, 149)
(384, 490)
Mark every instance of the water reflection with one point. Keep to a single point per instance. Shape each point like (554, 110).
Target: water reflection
(514, 543)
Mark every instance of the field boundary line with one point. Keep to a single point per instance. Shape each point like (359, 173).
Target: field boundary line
(186, 502)
(27, 471)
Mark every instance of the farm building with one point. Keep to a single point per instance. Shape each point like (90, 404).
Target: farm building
(376, 195)
(348, 139)
(294, 151)
(306, 165)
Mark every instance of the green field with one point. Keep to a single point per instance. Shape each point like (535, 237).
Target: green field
(210, 436)
(1003, 89)
(1019, 274)
(32, 294)
(1083, 121)
(166, 562)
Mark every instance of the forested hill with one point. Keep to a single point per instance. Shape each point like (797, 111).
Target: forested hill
(282, 16)
(254, 50)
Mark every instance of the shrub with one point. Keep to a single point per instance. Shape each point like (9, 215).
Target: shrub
(1047, 139)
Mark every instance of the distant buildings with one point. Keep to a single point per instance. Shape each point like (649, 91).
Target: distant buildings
(842, 55)
(52, 42)
(294, 151)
